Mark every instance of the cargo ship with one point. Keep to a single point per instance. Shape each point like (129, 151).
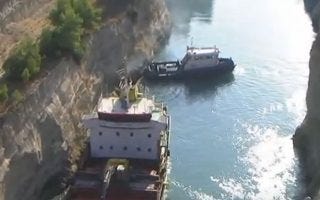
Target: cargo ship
(128, 148)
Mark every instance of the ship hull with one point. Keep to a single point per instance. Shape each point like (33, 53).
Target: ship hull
(224, 66)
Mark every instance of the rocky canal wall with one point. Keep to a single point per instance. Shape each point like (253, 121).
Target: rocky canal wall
(44, 136)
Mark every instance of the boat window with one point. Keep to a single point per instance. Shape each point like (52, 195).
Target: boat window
(111, 147)
(125, 148)
(149, 135)
(117, 133)
(101, 147)
(100, 133)
(149, 150)
(171, 66)
(131, 134)
(138, 149)
(185, 59)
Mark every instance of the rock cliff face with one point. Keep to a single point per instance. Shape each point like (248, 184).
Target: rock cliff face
(307, 136)
(43, 136)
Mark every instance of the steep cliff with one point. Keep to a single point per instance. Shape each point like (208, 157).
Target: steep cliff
(307, 136)
(43, 136)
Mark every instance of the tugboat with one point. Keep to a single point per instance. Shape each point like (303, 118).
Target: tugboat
(197, 63)
(128, 149)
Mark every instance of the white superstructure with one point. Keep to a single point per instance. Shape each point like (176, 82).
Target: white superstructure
(200, 57)
(128, 126)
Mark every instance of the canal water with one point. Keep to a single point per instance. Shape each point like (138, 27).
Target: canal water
(231, 136)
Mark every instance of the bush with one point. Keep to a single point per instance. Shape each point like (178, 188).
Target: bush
(16, 96)
(68, 34)
(48, 46)
(57, 15)
(70, 18)
(90, 15)
(3, 92)
(67, 37)
(24, 62)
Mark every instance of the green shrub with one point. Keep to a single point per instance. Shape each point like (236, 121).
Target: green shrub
(68, 34)
(70, 18)
(3, 92)
(48, 46)
(24, 62)
(67, 37)
(16, 96)
(90, 15)
(57, 15)
(25, 75)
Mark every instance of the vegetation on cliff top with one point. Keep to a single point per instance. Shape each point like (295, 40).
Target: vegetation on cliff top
(24, 62)
(3, 92)
(90, 16)
(70, 19)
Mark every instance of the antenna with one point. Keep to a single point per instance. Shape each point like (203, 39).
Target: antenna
(191, 41)
(122, 70)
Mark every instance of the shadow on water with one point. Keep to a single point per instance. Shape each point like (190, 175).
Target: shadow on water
(192, 89)
(207, 87)
(182, 12)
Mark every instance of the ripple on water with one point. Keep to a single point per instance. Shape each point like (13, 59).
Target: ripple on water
(192, 193)
(269, 160)
(296, 105)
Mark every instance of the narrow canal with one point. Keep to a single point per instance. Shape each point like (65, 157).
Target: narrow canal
(231, 136)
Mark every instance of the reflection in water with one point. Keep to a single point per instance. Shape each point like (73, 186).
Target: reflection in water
(193, 89)
(182, 11)
(202, 88)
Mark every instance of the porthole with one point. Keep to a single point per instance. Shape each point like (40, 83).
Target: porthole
(149, 135)
(111, 147)
(138, 149)
(131, 134)
(149, 150)
(100, 133)
(101, 147)
(117, 133)
(125, 148)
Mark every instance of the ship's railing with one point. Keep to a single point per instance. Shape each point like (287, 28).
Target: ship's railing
(106, 182)
(201, 48)
(63, 196)
(164, 142)
(157, 105)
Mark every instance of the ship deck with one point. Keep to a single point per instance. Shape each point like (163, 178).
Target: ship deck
(115, 105)
(144, 182)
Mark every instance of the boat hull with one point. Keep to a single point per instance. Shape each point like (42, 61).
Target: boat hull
(225, 65)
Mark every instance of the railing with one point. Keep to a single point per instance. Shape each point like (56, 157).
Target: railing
(192, 48)
(106, 182)
(63, 196)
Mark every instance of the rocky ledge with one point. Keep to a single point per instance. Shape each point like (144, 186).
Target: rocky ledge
(44, 137)
(307, 136)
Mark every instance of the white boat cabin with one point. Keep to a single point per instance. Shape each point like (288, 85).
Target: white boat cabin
(200, 57)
